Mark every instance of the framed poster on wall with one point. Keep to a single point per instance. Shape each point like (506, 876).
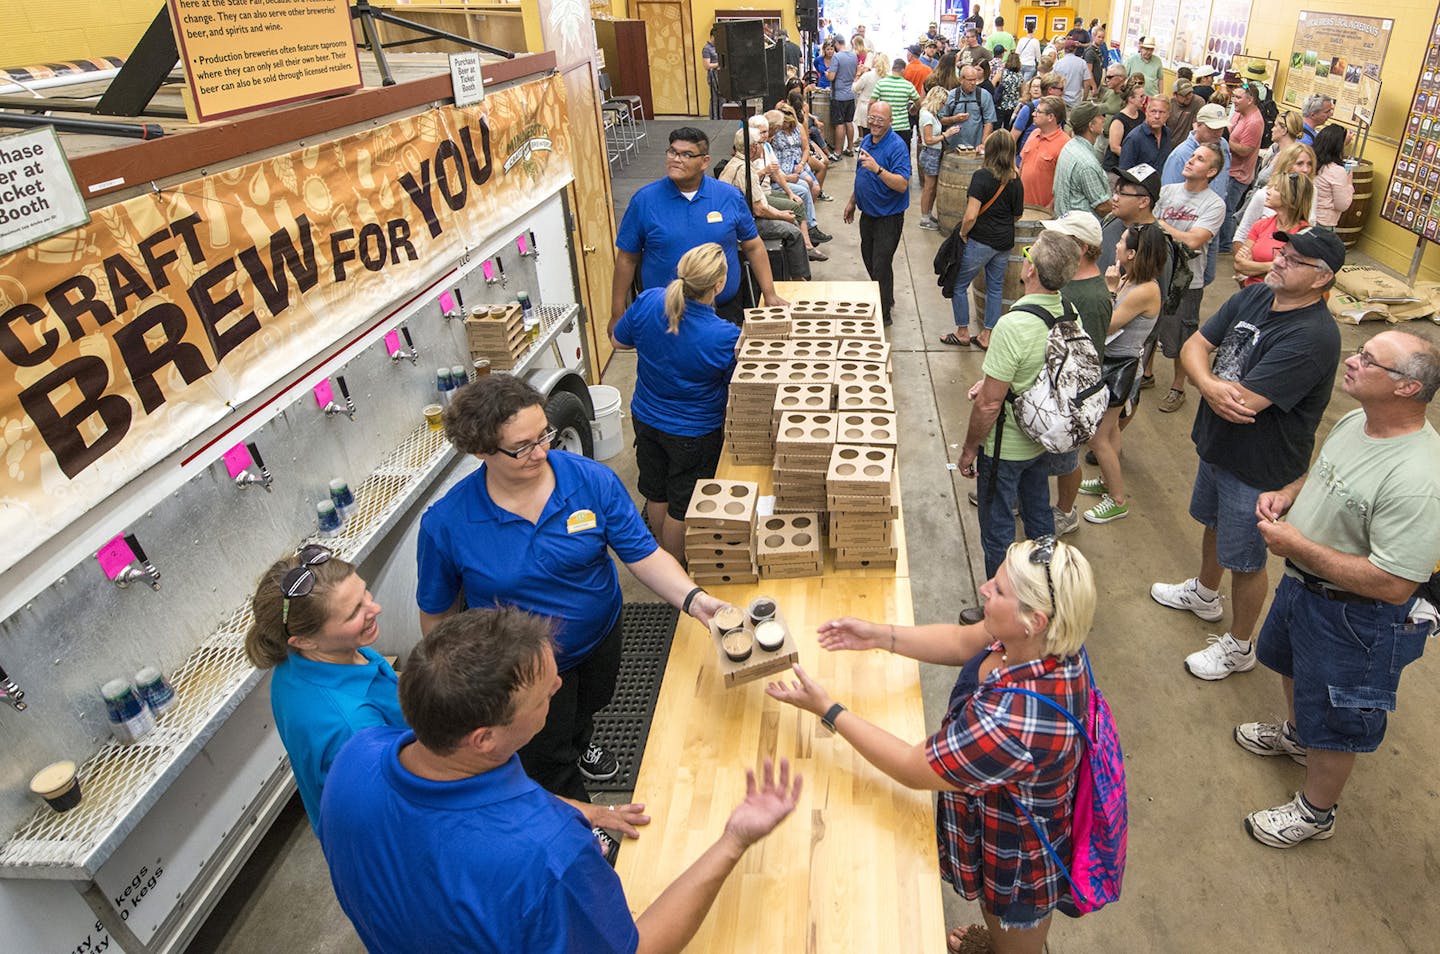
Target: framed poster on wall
(1330, 54)
(1411, 201)
(1228, 19)
(1163, 14)
(1191, 27)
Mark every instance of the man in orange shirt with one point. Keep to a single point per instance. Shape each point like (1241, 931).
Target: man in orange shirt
(915, 71)
(1042, 150)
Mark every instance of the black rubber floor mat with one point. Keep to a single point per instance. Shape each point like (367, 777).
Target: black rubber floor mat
(624, 725)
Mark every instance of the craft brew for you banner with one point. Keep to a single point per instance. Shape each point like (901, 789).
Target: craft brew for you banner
(124, 338)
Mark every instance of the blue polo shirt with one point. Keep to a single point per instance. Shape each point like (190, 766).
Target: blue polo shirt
(681, 380)
(874, 197)
(318, 706)
(660, 225)
(491, 863)
(559, 566)
(1139, 146)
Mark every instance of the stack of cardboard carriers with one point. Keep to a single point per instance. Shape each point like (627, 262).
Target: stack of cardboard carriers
(862, 496)
(766, 323)
(835, 320)
(750, 411)
(803, 445)
(496, 333)
(720, 532)
(788, 545)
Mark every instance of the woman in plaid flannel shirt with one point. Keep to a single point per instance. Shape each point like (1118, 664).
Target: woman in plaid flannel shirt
(992, 747)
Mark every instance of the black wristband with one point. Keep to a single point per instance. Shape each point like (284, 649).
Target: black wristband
(831, 714)
(690, 598)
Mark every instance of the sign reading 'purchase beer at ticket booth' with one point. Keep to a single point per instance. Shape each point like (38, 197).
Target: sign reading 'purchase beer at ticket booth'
(243, 55)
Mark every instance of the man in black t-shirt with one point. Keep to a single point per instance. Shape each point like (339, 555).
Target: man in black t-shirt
(1265, 365)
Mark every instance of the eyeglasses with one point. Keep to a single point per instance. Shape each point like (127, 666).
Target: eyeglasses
(1132, 195)
(1026, 252)
(525, 450)
(1368, 362)
(1041, 554)
(676, 154)
(299, 581)
(1289, 259)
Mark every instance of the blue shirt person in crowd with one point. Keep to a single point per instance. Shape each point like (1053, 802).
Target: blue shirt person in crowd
(882, 194)
(977, 107)
(670, 216)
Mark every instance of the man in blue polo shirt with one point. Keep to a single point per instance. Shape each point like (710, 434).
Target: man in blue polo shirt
(882, 194)
(670, 216)
(437, 840)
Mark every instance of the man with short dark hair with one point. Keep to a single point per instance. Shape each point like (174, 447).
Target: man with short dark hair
(843, 67)
(711, 59)
(1000, 36)
(437, 840)
(881, 194)
(1042, 151)
(1265, 365)
(1359, 534)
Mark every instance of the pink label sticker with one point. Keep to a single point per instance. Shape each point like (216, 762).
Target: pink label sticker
(392, 342)
(488, 267)
(522, 244)
(237, 460)
(323, 394)
(115, 556)
(447, 301)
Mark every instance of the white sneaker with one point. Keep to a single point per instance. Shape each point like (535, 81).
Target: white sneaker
(1186, 597)
(1285, 826)
(1270, 738)
(1219, 659)
(1066, 522)
(929, 224)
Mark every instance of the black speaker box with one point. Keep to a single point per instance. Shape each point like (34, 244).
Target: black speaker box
(807, 16)
(774, 75)
(740, 48)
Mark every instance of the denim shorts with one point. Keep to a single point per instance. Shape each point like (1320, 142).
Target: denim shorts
(1226, 504)
(1346, 660)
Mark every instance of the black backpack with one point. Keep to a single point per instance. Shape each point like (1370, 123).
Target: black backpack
(1269, 110)
(1181, 273)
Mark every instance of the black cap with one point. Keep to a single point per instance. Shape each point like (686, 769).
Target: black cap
(1315, 242)
(1145, 177)
(913, 49)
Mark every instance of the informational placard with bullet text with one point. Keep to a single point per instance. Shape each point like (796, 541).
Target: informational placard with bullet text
(244, 55)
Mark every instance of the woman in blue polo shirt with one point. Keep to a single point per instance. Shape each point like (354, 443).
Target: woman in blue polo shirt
(315, 621)
(685, 354)
(534, 527)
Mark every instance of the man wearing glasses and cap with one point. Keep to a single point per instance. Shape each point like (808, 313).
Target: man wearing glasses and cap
(1358, 535)
(1148, 65)
(1265, 365)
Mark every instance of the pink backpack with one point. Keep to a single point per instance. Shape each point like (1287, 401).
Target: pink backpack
(1099, 825)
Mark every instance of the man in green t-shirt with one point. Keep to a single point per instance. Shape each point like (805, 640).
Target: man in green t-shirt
(1148, 65)
(1020, 472)
(1000, 37)
(1361, 531)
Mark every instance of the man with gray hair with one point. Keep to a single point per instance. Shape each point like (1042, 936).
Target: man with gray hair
(1010, 468)
(1358, 536)
(968, 115)
(1315, 113)
(770, 222)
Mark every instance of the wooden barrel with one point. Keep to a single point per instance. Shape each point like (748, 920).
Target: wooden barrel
(820, 108)
(1353, 219)
(1027, 230)
(953, 190)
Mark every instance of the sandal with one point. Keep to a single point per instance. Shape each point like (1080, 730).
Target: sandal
(982, 342)
(971, 939)
(955, 341)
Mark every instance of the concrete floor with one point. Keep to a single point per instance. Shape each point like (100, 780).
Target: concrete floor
(1195, 881)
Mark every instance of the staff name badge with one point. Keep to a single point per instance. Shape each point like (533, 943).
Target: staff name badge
(580, 520)
(713, 217)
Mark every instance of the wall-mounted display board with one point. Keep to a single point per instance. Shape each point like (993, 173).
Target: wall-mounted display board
(1191, 33)
(1137, 24)
(1228, 19)
(1163, 14)
(1331, 53)
(1411, 201)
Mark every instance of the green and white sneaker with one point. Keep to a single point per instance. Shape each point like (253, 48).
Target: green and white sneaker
(1094, 487)
(1106, 510)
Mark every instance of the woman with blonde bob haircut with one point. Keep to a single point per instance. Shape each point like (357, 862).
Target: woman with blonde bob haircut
(685, 355)
(993, 749)
(1296, 157)
(1289, 198)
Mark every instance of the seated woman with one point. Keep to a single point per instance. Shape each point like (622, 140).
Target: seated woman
(686, 354)
(792, 150)
(993, 749)
(315, 621)
(1289, 197)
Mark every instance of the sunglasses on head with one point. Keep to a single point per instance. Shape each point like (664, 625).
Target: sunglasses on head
(1042, 554)
(299, 581)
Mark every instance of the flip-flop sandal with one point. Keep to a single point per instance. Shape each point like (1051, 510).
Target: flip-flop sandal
(973, 939)
(981, 345)
(955, 341)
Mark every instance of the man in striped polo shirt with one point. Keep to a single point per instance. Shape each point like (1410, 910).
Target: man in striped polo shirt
(897, 91)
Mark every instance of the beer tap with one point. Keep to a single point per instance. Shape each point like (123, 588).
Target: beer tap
(10, 692)
(247, 479)
(408, 352)
(146, 570)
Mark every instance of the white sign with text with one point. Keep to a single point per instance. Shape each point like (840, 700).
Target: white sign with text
(465, 77)
(38, 195)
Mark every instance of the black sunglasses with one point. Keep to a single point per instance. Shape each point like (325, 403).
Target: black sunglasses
(299, 581)
(1041, 555)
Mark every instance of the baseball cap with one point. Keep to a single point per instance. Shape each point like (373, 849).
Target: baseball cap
(1082, 115)
(1145, 177)
(1079, 225)
(1315, 242)
(1184, 87)
(1205, 72)
(1147, 43)
(1212, 115)
(913, 49)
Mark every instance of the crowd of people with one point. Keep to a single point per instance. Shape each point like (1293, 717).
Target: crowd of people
(481, 747)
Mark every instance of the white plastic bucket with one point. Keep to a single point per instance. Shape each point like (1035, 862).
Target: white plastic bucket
(609, 436)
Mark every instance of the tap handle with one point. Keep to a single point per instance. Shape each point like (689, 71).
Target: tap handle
(534, 249)
(344, 391)
(405, 332)
(134, 546)
(255, 455)
(459, 298)
(499, 266)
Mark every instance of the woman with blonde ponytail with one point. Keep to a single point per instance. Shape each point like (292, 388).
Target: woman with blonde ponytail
(685, 354)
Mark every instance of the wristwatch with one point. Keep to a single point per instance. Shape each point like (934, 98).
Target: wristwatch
(831, 714)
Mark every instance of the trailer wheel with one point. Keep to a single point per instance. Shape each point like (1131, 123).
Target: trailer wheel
(567, 415)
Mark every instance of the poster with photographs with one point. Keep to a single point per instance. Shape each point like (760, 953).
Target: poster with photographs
(1162, 27)
(1227, 32)
(1332, 51)
(1136, 26)
(1191, 33)
(1413, 199)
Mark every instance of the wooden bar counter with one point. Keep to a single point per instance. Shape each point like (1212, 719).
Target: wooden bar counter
(854, 868)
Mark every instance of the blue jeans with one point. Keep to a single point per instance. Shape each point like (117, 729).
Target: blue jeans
(1026, 482)
(1234, 193)
(977, 256)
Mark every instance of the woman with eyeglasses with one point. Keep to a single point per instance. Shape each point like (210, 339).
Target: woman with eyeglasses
(315, 622)
(1289, 197)
(534, 528)
(993, 749)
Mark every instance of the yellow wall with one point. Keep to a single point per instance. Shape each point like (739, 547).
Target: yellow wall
(703, 17)
(50, 31)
